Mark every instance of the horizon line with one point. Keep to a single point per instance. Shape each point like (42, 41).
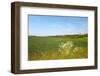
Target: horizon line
(60, 35)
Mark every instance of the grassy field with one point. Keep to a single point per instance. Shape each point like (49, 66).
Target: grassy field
(57, 47)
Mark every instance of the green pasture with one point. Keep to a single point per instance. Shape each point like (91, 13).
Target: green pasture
(57, 47)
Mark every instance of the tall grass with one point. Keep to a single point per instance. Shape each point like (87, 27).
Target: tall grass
(49, 48)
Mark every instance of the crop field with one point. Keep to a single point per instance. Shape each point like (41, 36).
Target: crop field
(57, 47)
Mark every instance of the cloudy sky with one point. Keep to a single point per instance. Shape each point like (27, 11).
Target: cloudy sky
(56, 25)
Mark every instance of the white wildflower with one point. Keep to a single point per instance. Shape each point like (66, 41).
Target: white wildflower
(65, 47)
(76, 49)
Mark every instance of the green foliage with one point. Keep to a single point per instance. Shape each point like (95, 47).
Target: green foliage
(57, 47)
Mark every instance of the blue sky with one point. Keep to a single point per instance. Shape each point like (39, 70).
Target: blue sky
(57, 25)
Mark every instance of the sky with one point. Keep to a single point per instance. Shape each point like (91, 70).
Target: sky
(40, 25)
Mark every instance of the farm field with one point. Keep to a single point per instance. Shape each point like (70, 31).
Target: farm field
(58, 47)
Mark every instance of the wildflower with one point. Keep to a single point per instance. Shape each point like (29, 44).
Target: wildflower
(77, 49)
(65, 47)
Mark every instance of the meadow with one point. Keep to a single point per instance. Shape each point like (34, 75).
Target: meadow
(58, 47)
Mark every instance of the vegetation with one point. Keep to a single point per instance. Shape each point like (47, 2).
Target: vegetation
(57, 47)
